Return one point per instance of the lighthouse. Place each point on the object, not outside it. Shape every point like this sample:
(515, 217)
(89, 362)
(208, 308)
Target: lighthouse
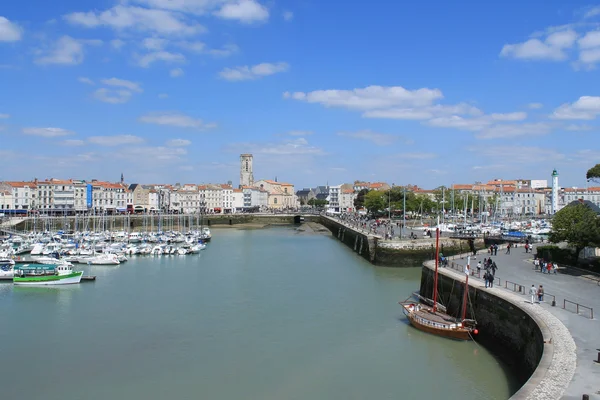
(554, 192)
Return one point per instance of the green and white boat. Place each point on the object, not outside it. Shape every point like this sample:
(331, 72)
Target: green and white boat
(45, 274)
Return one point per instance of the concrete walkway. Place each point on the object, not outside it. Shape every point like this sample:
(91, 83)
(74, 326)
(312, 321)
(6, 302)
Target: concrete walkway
(518, 267)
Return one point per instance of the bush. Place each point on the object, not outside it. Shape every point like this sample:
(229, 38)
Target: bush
(557, 254)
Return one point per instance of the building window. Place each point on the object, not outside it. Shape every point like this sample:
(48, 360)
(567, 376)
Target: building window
(275, 200)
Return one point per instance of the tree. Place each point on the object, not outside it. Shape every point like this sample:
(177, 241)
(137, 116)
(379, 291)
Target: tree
(359, 201)
(375, 201)
(593, 173)
(578, 225)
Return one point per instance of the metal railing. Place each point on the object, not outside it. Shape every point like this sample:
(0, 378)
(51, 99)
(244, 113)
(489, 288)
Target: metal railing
(516, 287)
(578, 306)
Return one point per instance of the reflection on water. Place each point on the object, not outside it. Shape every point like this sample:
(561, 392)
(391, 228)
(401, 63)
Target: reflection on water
(260, 314)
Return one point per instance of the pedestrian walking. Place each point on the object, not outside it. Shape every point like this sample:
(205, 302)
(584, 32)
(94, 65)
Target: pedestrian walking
(549, 267)
(486, 278)
(496, 249)
(494, 267)
(478, 268)
(540, 293)
(508, 248)
(533, 293)
(555, 267)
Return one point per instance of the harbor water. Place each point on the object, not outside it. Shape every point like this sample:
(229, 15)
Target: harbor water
(269, 314)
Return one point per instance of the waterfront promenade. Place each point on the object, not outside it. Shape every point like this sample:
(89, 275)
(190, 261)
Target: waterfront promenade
(516, 270)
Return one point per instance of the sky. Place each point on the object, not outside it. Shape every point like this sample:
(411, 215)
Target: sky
(319, 91)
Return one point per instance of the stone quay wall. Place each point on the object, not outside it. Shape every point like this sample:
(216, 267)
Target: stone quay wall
(536, 346)
(394, 253)
(143, 222)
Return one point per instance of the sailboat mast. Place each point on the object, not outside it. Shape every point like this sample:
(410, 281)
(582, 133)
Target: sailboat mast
(464, 305)
(437, 259)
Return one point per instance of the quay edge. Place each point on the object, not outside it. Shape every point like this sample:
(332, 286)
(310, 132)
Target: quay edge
(536, 346)
(404, 253)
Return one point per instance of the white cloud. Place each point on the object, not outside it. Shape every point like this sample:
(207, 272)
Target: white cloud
(288, 15)
(163, 96)
(65, 51)
(300, 133)
(535, 106)
(369, 98)
(112, 96)
(562, 39)
(140, 19)
(175, 119)
(252, 72)
(421, 113)
(4, 116)
(9, 31)
(193, 46)
(457, 122)
(578, 127)
(47, 132)
(85, 80)
(178, 143)
(147, 59)
(154, 44)
(534, 49)
(73, 142)
(117, 44)
(133, 86)
(514, 116)
(506, 131)
(176, 73)
(518, 154)
(225, 51)
(380, 139)
(592, 12)
(293, 147)
(115, 140)
(591, 39)
(246, 11)
(585, 108)
(416, 156)
(590, 56)
(151, 154)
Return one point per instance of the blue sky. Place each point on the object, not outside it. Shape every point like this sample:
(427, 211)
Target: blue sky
(429, 93)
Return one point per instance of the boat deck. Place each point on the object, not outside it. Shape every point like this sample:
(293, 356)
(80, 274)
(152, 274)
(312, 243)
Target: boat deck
(440, 318)
(84, 278)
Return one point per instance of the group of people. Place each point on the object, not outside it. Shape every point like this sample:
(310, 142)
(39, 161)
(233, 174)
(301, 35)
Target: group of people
(545, 266)
(536, 293)
(490, 268)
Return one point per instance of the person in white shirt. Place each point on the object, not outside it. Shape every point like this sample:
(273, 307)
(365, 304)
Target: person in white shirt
(533, 293)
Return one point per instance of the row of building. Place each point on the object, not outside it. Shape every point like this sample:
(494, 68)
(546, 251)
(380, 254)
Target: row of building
(80, 196)
(504, 197)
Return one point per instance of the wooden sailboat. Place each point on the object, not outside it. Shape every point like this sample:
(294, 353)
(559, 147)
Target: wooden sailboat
(430, 316)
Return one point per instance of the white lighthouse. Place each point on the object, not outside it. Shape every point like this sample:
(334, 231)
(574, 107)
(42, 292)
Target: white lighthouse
(554, 192)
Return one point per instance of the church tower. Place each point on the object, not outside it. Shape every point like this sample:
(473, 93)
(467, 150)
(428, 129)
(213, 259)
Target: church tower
(246, 175)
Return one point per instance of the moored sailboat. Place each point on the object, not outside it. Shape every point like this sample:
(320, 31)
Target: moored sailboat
(430, 316)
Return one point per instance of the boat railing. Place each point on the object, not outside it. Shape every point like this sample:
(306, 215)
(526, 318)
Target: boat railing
(578, 306)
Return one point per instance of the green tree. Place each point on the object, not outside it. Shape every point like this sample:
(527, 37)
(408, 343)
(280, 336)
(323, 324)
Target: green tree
(593, 173)
(375, 201)
(359, 201)
(578, 225)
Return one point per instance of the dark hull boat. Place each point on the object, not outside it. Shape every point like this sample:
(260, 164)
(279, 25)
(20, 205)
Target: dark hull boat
(432, 317)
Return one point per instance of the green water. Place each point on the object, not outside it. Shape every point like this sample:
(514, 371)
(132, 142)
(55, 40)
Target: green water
(260, 314)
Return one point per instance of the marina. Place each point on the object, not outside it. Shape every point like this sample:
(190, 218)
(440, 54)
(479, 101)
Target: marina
(227, 324)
